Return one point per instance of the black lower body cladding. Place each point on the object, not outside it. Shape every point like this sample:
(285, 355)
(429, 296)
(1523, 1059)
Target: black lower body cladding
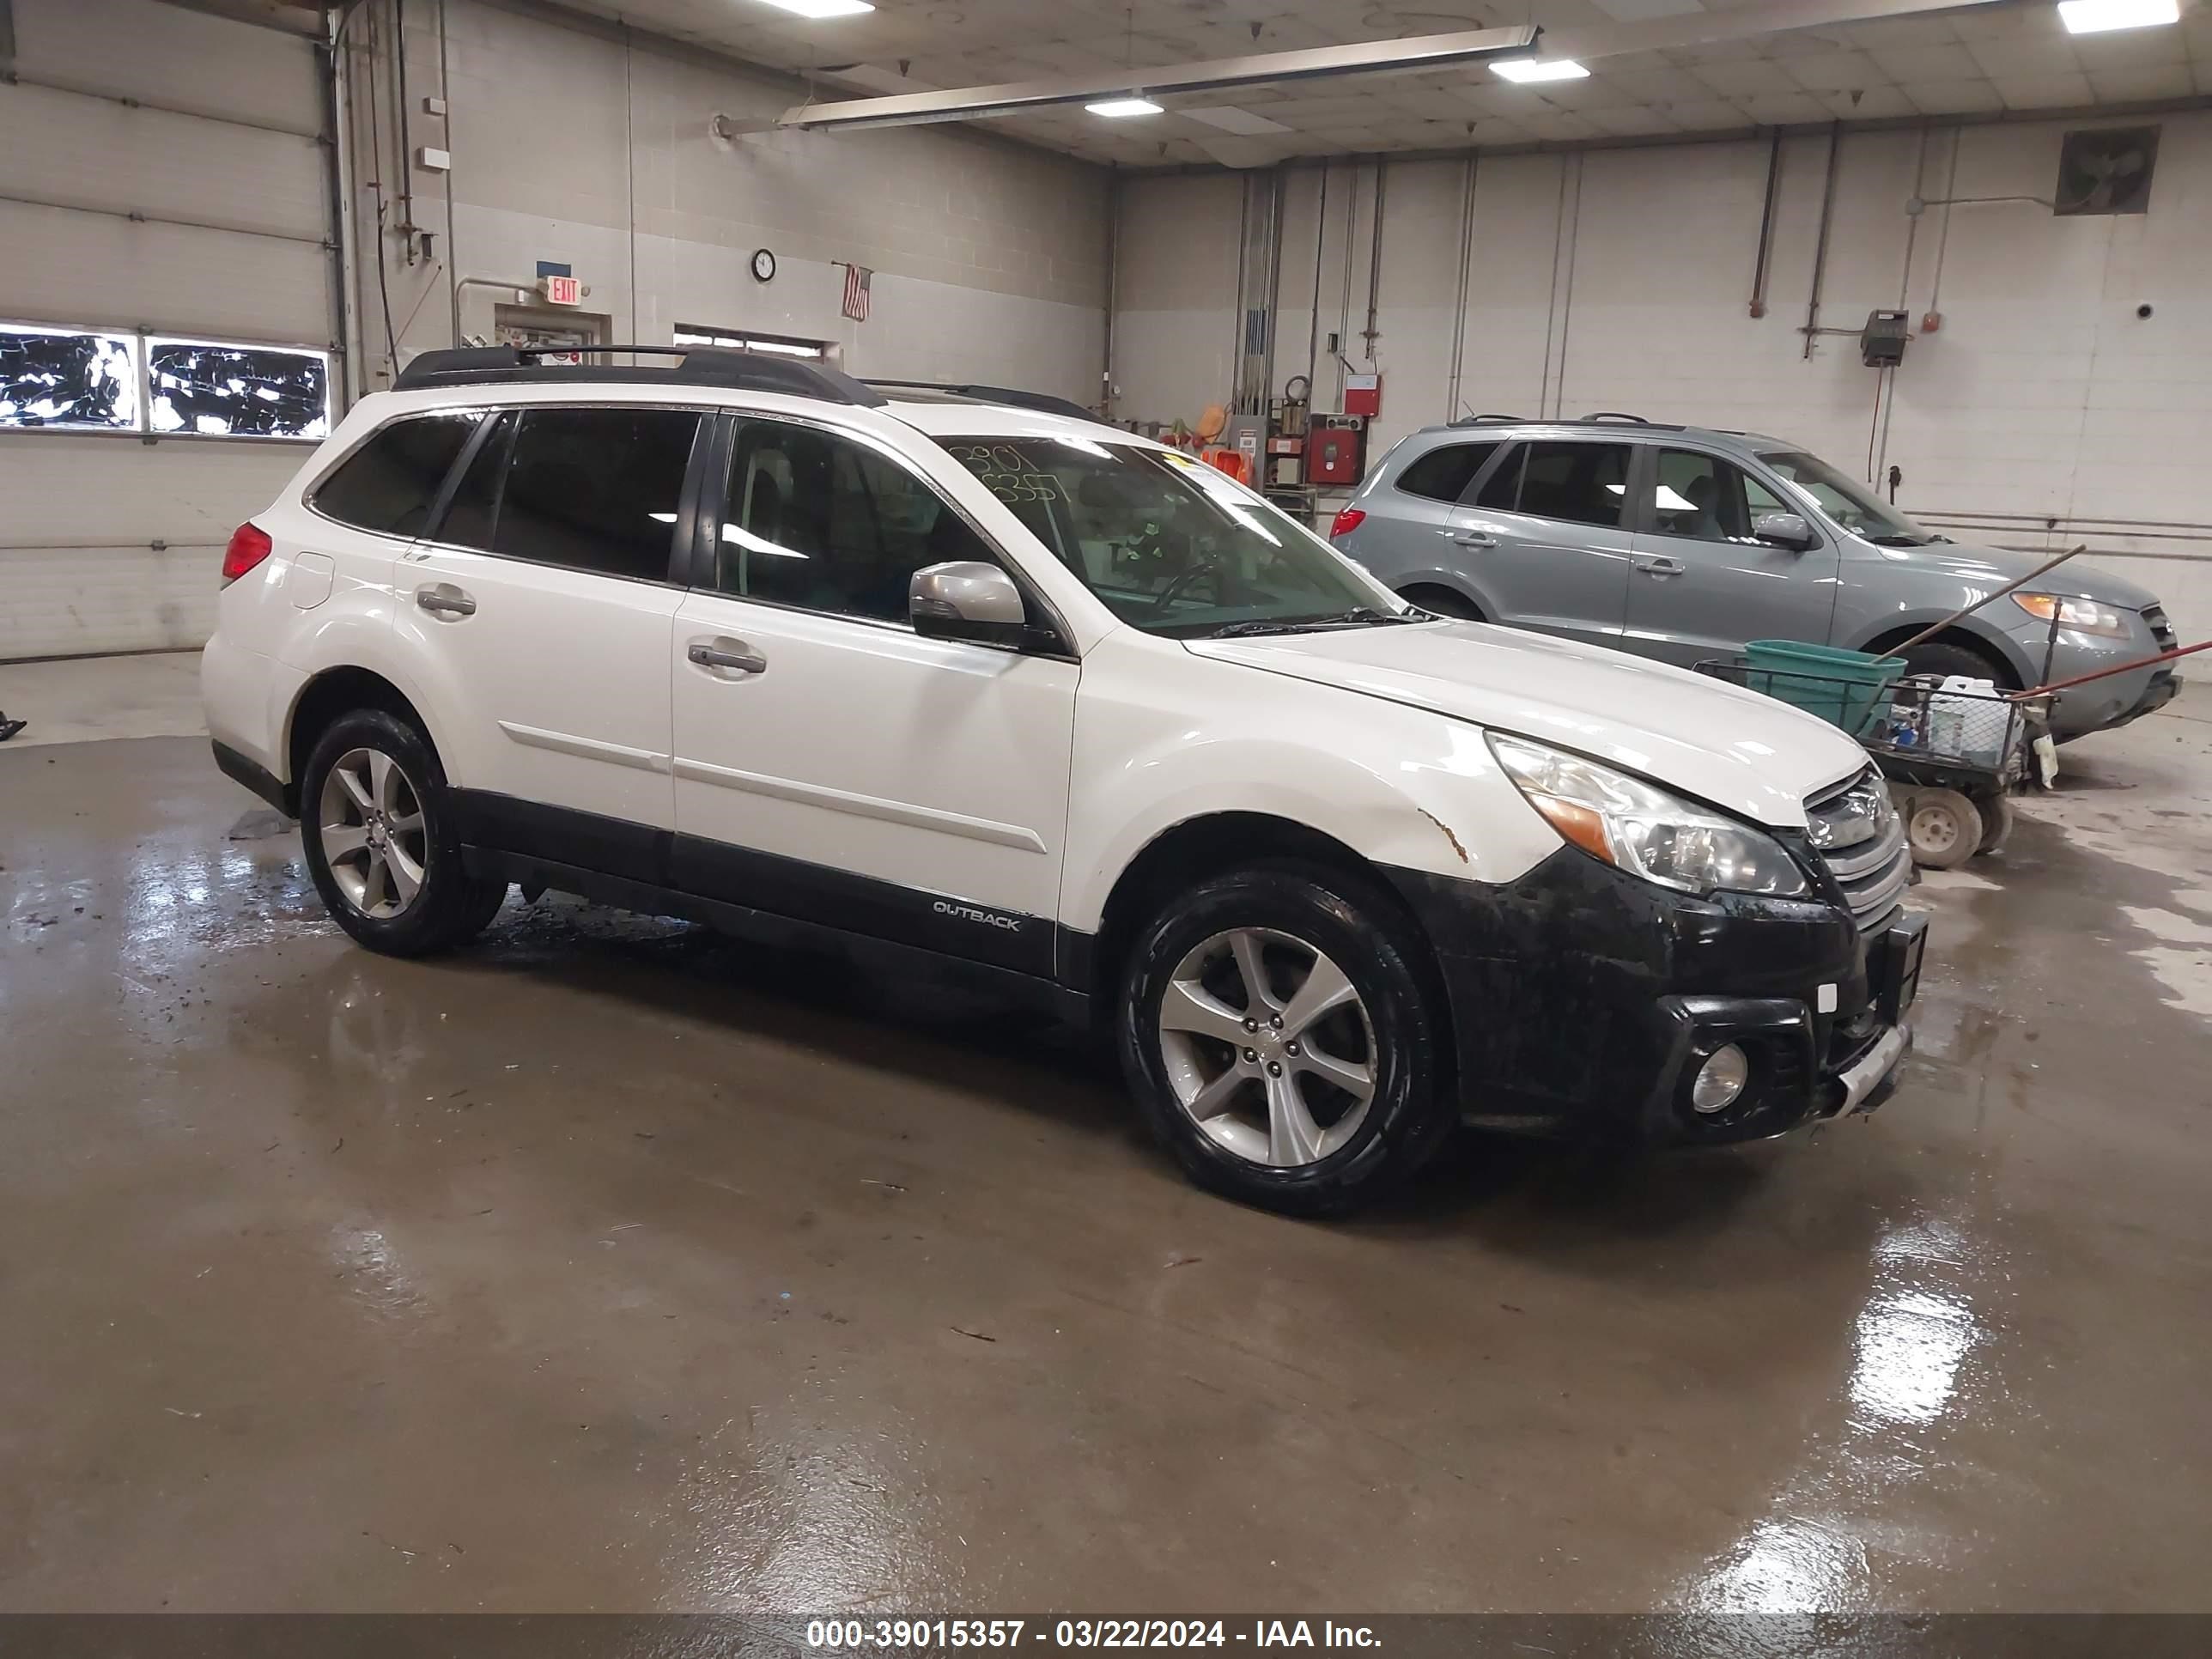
(1581, 996)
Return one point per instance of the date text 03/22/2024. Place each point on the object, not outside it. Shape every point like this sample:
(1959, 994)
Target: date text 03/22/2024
(879, 1634)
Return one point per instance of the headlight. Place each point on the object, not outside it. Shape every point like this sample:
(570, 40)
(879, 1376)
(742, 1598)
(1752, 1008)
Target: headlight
(1645, 830)
(2082, 616)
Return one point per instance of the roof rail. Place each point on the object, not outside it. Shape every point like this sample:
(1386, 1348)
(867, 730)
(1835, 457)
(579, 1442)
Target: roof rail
(1613, 415)
(718, 366)
(1488, 420)
(1043, 402)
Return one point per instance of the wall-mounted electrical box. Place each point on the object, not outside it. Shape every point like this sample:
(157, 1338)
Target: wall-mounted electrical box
(1881, 341)
(1336, 449)
(1363, 395)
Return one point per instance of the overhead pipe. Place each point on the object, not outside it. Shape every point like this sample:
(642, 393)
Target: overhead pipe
(1812, 328)
(1452, 403)
(1374, 257)
(1761, 264)
(522, 291)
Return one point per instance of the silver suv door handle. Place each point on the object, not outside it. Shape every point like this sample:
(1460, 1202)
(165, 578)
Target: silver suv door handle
(1661, 567)
(445, 601)
(1473, 538)
(727, 653)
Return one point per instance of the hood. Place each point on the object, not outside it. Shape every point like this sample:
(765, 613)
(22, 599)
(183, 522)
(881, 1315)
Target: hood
(1992, 567)
(1742, 752)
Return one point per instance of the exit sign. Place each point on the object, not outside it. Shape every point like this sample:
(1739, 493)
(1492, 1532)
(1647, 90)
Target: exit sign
(562, 290)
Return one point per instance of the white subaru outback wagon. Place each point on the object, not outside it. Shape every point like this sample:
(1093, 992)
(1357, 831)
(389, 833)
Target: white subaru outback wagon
(963, 675)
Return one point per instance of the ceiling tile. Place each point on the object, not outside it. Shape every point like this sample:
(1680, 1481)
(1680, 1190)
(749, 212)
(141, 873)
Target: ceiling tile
(1492, 130)
(1902, 33)
(1633, 122)
(1928, 64)
(1953, 97)
(1743, 80)
(1659, 85)
(1835, 71)
(2137, 86)
(1711, 115)
(1781, 108)
(1999, 58)
(2045, 91)
(1882, 103)
(1559, 126)
(2136, 48)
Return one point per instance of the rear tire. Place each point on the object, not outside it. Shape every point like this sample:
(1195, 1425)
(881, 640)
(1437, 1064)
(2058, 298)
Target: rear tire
(1997, 824)
(1322, 1092)
(377, 823)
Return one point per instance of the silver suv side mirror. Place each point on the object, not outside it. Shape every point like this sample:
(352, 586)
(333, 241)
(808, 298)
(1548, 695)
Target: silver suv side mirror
(967, 600)
(1787, 530)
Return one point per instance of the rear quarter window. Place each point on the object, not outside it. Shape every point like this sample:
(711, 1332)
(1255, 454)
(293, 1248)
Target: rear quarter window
(1445, 473)
(391, 483)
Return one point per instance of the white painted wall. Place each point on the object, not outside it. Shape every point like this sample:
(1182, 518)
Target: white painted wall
(574, 143)
(1619, 279)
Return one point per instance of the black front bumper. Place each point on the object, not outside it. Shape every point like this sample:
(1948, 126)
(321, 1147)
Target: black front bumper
(1584, 1001)
(2161, 691)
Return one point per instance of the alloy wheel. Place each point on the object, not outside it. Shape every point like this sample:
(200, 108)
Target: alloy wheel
(373, 839)
(1269, 1047)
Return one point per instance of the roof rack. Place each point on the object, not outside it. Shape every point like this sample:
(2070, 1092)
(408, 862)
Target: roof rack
(1487, 420)
(1043, 402)
(718, 366)
(1613, 415)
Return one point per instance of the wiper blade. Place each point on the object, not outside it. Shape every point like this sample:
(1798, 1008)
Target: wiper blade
(1357, 617)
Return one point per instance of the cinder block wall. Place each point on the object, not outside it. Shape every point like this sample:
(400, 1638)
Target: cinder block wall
(576, 142)
(1620, 280)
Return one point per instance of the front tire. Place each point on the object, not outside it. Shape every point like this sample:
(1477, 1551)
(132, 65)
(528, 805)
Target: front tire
(377, 824)
(1277, 1028)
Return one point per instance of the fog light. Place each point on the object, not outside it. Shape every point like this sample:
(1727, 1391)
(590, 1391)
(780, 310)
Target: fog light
(1720, 1081)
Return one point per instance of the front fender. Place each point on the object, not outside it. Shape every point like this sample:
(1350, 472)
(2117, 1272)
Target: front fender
(1164, 737)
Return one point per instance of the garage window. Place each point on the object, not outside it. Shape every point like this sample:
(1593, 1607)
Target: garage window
(68, 379)
(214, 390)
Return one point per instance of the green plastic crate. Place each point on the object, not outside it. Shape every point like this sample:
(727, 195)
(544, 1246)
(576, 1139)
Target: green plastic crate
(1842, 687)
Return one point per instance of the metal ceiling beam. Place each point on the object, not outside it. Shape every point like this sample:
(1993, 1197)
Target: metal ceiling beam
(1424, 51)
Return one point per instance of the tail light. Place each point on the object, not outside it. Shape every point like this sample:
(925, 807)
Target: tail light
(1347, 521)
(249, 545)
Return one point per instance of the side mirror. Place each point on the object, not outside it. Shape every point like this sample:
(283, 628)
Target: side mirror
(968, 600)
(1787, 530)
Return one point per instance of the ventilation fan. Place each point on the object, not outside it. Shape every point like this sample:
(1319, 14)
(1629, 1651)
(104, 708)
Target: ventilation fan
(2106, 170)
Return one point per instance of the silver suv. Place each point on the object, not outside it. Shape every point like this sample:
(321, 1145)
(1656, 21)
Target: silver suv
(1681, 543)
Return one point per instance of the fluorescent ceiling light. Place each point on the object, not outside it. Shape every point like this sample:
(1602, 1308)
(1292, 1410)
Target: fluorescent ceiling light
(824, 8)
(2094, 17)
(1114, 109)
(1539, 68)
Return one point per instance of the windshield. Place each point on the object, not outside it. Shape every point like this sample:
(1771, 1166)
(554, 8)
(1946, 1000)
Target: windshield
(1170, 544)
(1849, 504)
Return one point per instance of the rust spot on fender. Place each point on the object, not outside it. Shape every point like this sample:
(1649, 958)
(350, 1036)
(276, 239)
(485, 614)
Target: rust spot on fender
(1448, 836)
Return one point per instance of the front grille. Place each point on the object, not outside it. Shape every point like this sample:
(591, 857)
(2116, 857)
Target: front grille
(2160, 628)
(1862, 839)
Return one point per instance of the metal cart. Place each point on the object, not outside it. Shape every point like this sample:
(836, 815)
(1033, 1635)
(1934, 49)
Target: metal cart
(1954, 758)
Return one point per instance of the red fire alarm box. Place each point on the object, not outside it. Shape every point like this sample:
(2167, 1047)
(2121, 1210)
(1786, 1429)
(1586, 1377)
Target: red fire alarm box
(1363, 395)
(1336, 450)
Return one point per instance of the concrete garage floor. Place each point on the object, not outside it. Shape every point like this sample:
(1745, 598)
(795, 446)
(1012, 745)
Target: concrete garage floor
(609, 1267)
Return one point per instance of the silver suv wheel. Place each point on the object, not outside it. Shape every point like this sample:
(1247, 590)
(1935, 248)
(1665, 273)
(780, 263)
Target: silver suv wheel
(370, 822)
(1268, 1047)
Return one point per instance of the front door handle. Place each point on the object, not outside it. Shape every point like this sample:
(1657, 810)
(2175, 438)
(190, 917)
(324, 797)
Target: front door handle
(1473, 538)
(727, 653)
(1661, 567)
(445, 600)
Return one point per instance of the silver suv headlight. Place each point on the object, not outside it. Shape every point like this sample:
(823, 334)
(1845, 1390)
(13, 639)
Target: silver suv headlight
(1641, 828)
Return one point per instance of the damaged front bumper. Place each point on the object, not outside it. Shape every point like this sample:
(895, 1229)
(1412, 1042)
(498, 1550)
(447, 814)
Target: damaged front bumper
(1584, 1002)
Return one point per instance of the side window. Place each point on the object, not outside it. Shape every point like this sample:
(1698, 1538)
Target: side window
(1444, 474)
(391, 483)
(1502, 489)
(824, 523)
(595, 489)
(1703, 497)
(475, 507)
(1576, 482)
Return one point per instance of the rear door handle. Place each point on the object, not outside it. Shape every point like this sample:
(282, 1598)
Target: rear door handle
(1473, 538)
(1660, 566)
(727, 653)
(445, 600)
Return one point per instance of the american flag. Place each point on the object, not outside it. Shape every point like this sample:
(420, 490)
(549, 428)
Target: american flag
(856, 292)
